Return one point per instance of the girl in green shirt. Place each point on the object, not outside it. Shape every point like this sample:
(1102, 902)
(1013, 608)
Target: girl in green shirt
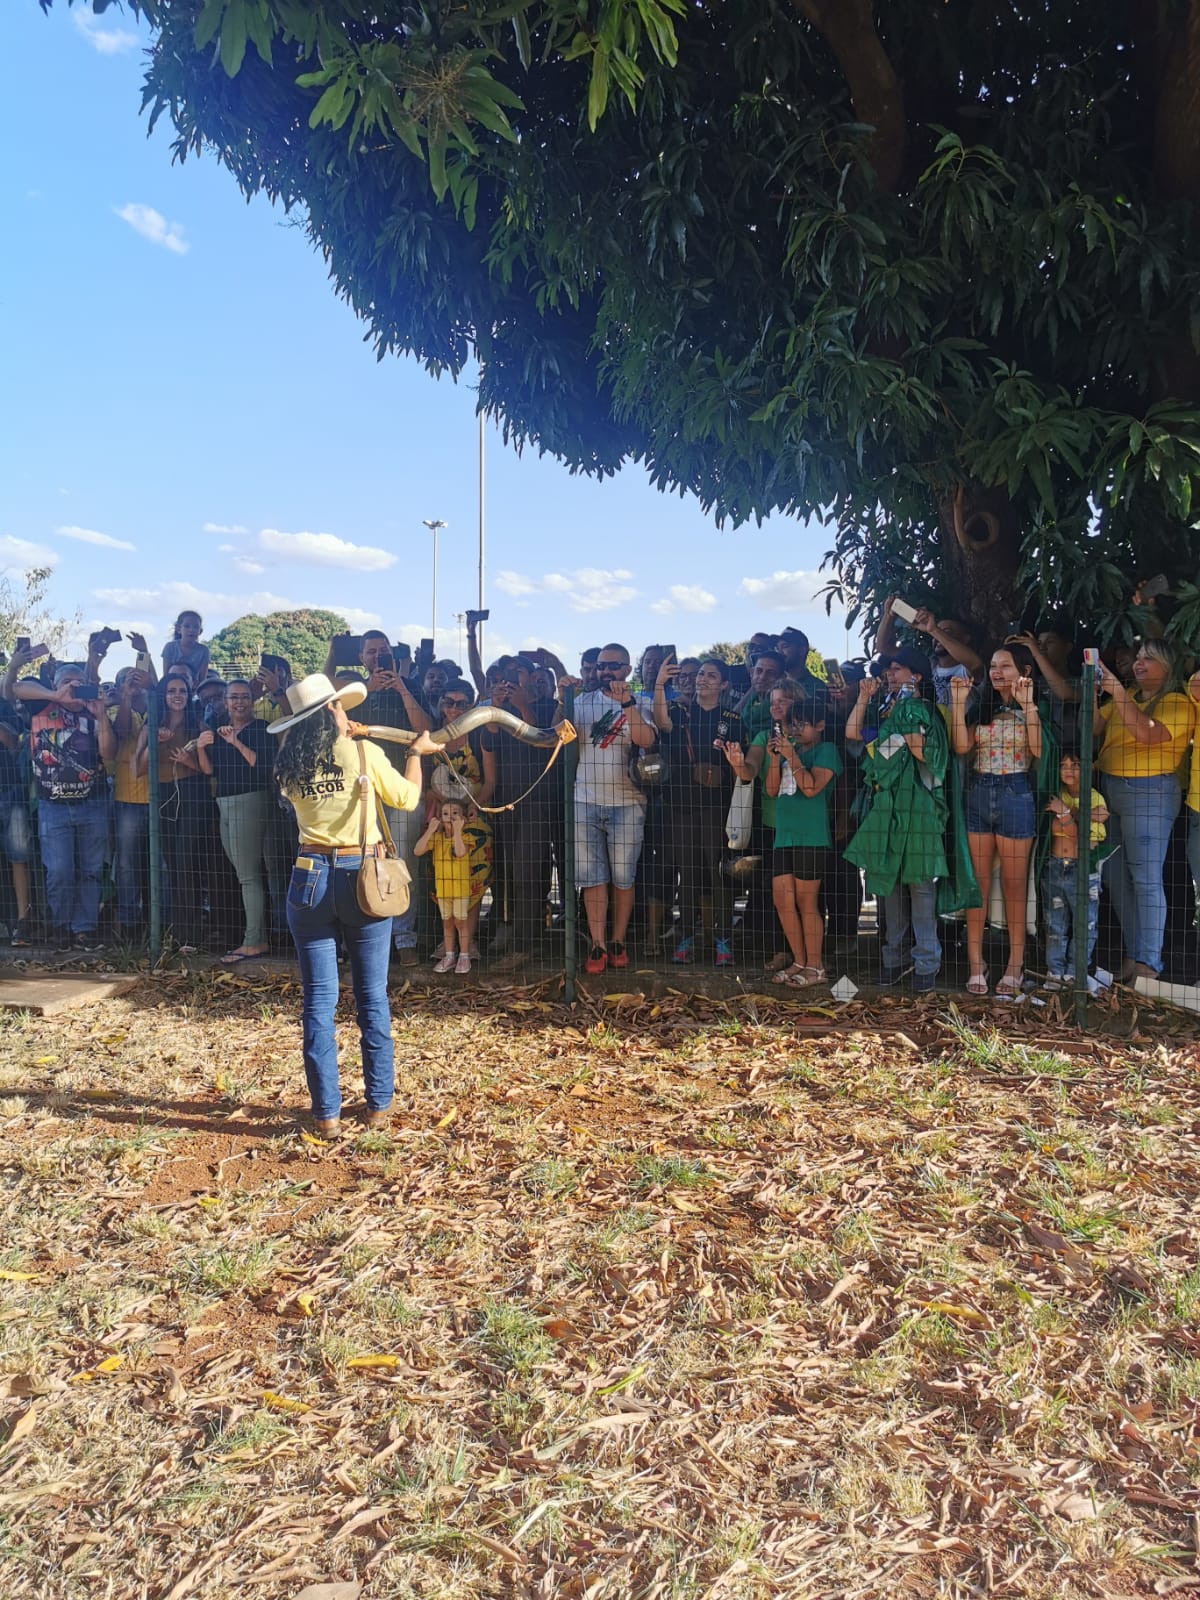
(801, 764)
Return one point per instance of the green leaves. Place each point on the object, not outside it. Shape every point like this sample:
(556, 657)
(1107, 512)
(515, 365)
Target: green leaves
(661, 232)
(234, 23)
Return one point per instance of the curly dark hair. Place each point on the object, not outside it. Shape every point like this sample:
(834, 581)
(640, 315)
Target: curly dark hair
(306, 750)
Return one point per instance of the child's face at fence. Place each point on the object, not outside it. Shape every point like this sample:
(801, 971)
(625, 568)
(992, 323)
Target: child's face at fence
(1069, 772)
(452, 815)
(781, 706)
(898, 675)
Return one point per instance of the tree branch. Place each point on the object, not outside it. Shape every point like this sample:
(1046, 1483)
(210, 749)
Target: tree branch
(848, 28)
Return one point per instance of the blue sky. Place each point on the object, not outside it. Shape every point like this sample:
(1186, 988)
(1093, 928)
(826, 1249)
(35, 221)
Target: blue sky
(195, 420)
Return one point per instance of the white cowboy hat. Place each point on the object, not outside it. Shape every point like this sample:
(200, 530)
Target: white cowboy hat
(313, 692)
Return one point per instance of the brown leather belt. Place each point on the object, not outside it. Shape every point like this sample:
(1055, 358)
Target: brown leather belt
(307, 849)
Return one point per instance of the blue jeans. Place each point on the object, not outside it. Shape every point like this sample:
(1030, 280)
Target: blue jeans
(133, 862)
(1060, 879)
(74, 838)
(322, 902)
(1141, 814)
(912, 905)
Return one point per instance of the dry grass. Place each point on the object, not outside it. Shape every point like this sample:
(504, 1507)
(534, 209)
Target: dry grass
(673, 1300)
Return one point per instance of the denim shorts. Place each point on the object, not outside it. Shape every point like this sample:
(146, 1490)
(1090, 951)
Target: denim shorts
(1002, 804)
(16, 832)
(608, 843)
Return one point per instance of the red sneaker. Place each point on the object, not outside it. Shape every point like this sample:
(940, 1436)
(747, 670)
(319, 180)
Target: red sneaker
(597, 960)
(618, 956)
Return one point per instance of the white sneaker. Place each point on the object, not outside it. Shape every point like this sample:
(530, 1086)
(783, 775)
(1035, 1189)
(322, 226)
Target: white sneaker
(462, 966)
(446, 964)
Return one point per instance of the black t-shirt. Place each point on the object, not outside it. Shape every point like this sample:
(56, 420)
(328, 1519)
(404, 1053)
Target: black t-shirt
(233, 772)
(519, 765)
(386, 708)
(689, 747)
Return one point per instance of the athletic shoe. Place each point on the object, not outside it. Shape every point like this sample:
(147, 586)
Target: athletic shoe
(447, 963)
(1054, 982)
(20, 932)
(60, 938)
(618, 956)
(92, 943)
(597, 960)
(724, 955)
(924, 982)
(463, 965)
(683, 953)
(891, 976)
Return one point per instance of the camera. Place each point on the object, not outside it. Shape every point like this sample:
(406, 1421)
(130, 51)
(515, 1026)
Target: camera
(474, 618)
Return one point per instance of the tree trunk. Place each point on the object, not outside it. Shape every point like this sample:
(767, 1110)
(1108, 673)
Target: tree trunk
(981, 546)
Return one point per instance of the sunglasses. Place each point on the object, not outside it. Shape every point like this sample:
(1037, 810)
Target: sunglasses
(455, 705)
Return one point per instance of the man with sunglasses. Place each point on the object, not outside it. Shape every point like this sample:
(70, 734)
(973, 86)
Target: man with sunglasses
(610, 810)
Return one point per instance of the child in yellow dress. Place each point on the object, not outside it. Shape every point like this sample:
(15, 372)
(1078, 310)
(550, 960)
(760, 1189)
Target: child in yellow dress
(444, 841)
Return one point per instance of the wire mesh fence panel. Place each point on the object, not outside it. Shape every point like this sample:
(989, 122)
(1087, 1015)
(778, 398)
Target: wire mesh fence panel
(1011, 833)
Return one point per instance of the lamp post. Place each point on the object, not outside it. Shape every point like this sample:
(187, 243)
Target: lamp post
(435, 525)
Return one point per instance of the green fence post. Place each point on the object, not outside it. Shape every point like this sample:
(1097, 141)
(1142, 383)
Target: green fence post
(154, 826)
(570, 906)
(1083, 837)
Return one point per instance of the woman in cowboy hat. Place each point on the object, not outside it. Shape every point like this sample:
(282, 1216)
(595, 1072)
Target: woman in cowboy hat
(318, 770)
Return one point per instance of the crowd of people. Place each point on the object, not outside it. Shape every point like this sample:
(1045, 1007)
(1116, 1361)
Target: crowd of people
(730, 812)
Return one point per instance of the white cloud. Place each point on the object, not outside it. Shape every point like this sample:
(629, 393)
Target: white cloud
(685, 597)
(585, 590)
(325, 550)
(90, 536)
(515, 585)
(154, 226)
(246, 565)
(786, 591)
(223, 527)
(108, 41)
(18, 555)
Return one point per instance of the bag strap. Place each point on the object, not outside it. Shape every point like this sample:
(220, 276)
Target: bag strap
(380, 813)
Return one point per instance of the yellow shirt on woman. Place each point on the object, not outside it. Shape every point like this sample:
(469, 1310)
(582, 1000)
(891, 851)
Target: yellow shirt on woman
(1121, 756)
(327, 808)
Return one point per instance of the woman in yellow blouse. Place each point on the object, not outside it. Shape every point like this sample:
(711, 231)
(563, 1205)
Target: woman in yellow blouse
(318, 770)
(1146, 737)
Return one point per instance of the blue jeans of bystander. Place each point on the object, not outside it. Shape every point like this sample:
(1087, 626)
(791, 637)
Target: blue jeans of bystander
(1060, 880)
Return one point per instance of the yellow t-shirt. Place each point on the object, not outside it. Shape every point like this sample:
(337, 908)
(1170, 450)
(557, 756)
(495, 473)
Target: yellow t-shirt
(1121, 756)
(1097, 830)
(327, 809)
(128, 788)
(451, 873)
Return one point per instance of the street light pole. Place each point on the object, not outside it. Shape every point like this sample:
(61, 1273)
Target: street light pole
(434, 525)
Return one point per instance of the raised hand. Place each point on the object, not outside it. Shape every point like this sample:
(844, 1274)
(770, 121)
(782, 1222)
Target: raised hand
(960, 688)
